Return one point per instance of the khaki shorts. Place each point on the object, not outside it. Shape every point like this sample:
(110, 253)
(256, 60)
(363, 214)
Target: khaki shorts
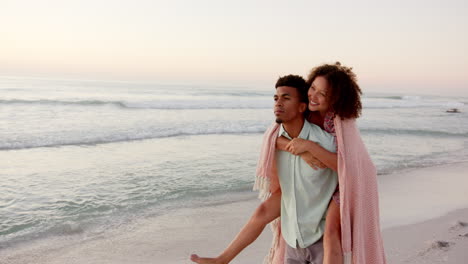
(312, 254)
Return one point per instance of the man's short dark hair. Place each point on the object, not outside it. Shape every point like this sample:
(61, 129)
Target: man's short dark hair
(297, 82)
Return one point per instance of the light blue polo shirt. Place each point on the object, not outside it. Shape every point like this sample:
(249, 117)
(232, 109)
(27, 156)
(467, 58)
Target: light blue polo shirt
(306, 192)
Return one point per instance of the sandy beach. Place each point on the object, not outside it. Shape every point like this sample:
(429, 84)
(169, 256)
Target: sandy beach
(439, 240)
(424, 216)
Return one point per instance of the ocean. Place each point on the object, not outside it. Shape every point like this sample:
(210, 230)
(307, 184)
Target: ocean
(80, 158)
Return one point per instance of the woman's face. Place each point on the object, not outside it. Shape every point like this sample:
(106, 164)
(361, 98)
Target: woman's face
(318, 98)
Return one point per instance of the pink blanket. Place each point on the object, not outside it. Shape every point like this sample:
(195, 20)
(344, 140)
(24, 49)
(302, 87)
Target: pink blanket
(359, 203)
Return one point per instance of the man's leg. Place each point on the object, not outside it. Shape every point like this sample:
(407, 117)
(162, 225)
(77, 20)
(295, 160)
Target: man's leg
(294, 255)
(314, 253)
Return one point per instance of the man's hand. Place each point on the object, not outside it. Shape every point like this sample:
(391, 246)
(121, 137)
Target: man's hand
(312, 161)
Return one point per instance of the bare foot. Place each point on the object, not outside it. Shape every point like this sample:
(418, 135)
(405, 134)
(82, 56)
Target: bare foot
(197, 259)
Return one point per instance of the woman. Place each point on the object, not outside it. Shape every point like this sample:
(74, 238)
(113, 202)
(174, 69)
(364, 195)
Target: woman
(334, 102)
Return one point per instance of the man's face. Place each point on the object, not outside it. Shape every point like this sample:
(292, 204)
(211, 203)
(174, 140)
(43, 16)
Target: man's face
(288, 105)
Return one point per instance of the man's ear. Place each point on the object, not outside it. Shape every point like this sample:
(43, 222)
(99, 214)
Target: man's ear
(302, 107)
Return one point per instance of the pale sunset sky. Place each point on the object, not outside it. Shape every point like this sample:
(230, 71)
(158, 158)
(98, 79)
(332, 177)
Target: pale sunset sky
(417, 47)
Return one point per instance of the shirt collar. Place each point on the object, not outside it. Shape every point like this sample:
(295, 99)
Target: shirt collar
(303, 134)
(283, 132)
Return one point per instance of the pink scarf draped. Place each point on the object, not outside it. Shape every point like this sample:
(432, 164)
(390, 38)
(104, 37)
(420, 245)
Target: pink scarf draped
(359, 204)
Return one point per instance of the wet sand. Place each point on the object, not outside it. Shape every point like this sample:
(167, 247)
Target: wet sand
(424, 216)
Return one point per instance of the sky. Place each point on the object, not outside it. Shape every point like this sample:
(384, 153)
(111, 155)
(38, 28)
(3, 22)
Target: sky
(417, 47)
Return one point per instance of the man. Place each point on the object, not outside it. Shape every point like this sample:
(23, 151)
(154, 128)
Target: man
(305, 192)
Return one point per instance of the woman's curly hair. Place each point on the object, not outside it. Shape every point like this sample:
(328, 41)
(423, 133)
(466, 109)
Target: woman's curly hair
(344, 98)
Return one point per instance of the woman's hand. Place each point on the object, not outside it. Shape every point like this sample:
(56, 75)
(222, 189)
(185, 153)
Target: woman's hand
(312, 161)
(298, 146)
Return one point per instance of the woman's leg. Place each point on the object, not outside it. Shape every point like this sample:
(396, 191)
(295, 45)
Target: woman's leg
(332, 237)
(266, 212)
